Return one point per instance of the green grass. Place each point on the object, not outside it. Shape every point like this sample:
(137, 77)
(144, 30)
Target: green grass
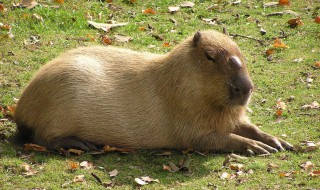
(67, 28)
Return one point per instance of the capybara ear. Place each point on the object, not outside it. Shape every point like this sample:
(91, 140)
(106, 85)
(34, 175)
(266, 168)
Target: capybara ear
(196, 38)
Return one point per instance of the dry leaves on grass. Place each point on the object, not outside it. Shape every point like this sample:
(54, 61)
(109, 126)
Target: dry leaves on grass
(34, 147)
(317, 19)
(2, 8)
(29, 4)
(313, 105)
(173, 9)
(105, 26)
(73, 165)
(284, 2)
(27, 170)
(145, 180)
(122, 39)
(113, 173)
(306, 146)
(187, 4)
(183, 165)
(86, 165)
(149, 11)
(294, 22)
(107, 148)
(279, 44)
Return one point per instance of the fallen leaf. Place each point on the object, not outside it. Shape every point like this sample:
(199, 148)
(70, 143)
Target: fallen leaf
(278, 44)
(37, 17)
(5, 26)
(149, 11)
(166, 44)
(284, 2)
(34, 147)
(2, 8)
(75, 151)
(78, 178)
(272, 165)
(185, 163)
(173, 9)
(141, 28)
(294, 22)
(59, 1)
(313, 105)
(86, 165)
(113, 173)
(317, 19)
(121, 38)
(104, 26)
(269, 4)
(269, 52)
(164, 154)
(317, 64)
(73, 165)
(307, 165)
(140, 181)
(106, 40)
(187, 4)
(107, 148)
(314, 173)
(149, 179)
(27, 170)
(210, 21)
(29, 4)
(235, 166)
(225, 175)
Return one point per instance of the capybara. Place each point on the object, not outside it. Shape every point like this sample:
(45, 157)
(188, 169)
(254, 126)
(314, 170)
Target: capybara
(194, 97)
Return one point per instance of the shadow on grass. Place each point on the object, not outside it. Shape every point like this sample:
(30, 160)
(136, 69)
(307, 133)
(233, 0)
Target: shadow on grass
(130, 166)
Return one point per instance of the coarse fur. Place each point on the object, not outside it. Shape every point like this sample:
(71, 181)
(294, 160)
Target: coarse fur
(192, 97)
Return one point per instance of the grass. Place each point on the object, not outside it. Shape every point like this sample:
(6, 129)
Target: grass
(66, 28)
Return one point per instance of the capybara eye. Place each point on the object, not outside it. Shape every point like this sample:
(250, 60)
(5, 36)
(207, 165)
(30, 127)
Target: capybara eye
(209, 57)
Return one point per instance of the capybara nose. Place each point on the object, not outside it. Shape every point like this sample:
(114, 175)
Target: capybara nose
(240, 90)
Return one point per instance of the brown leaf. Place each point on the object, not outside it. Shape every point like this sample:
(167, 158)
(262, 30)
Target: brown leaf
(104, 26)
(106, 40)
(317, 19)
(294, 22)
(314, 173)
(75, 151)
(121, 38)
(29, 4)
(307, 165)
(284, 2)
(34, 147)
(113, 173)
(269, 52)
(235, 166)
(166, 44)
(73, 165)
(317, 64)
(187, 4)
(278, 44)
(107, 148)
(2, 8)
(59, 1)
(78, 178)
(149, 11)
(188, 151)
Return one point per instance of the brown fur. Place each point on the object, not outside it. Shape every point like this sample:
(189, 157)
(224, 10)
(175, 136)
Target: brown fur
(122, 98)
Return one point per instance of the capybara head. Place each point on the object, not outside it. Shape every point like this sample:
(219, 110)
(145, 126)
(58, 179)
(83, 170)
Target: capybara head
(220, 69)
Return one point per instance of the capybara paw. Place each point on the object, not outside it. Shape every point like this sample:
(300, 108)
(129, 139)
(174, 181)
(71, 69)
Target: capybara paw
(277, 143)
(255, 147)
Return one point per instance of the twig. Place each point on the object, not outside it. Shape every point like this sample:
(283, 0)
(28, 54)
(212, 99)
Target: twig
(96, 177)
(261, 42)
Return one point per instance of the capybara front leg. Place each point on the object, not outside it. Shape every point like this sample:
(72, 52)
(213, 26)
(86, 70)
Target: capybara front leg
(252, 132)
(228, 142)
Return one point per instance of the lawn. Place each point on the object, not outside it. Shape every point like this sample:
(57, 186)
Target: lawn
(288, 78)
